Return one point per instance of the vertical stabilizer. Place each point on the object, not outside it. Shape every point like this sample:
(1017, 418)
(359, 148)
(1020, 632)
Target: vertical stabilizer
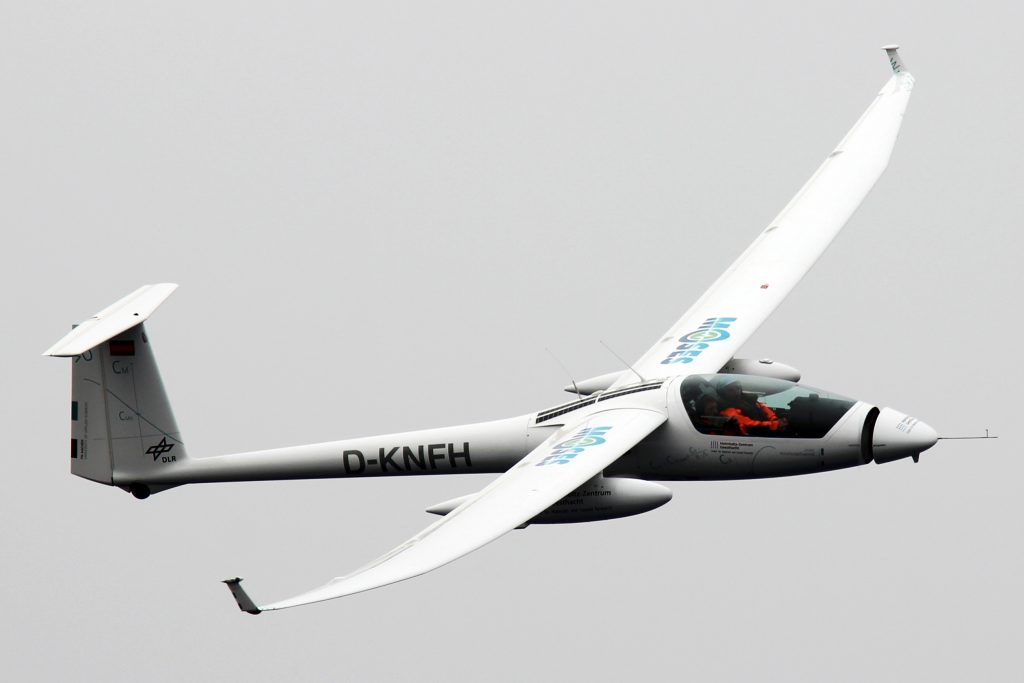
(122, 425)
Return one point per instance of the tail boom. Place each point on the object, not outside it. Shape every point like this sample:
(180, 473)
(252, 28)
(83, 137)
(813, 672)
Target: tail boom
(485, 447)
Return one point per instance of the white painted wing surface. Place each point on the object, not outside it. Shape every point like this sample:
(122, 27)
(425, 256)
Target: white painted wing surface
(726, 315)
(565, 461)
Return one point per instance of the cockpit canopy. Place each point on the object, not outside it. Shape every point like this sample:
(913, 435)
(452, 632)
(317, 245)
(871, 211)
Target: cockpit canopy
(746, 405)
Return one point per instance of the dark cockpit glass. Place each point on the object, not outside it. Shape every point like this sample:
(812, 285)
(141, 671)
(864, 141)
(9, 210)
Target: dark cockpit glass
(746, 405)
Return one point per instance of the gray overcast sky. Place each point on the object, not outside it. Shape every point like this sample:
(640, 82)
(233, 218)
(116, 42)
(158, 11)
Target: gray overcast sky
(380, 214)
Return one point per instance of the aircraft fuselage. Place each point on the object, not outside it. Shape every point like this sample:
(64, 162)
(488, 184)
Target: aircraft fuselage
(675, 451)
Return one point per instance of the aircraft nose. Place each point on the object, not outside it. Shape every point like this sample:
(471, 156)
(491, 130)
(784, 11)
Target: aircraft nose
(898, 435)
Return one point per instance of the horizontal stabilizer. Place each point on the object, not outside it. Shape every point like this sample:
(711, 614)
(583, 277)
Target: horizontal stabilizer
(112, 320)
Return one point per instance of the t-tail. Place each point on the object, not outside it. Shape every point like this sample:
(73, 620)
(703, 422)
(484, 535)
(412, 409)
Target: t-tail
(122, 426)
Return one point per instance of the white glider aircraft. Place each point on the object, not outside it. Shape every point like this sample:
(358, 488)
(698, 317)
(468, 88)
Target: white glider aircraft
(686, 410)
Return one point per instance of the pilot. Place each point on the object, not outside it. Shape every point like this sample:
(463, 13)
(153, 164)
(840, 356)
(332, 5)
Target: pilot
(694, 392)
(750, 415)
(711, 419)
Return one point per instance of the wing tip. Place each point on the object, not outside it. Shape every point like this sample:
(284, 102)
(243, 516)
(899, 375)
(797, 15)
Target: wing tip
(245, 603)
(892, 50)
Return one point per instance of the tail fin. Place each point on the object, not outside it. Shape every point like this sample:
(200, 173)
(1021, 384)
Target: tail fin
(122, 428)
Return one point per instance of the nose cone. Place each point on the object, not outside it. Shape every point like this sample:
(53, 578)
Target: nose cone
(898, 435)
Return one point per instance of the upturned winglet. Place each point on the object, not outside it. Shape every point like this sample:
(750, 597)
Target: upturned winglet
(894, 58)
(245, 603)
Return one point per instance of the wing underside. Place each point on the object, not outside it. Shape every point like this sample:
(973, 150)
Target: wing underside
(566, 460)
(710, 333)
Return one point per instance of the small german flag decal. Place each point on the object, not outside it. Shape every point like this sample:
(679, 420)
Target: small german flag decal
(122, 347)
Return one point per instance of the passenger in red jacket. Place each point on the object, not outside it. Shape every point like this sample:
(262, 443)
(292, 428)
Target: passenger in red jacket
(748, 413)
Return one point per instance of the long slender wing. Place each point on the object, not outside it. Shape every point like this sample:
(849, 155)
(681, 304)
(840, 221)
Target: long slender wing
(561, 464)
(725, 316)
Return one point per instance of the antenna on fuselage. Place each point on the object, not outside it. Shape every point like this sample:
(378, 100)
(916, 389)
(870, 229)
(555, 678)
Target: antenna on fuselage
(621, 360)
(571, 378)
(916, 456)
(961, 438)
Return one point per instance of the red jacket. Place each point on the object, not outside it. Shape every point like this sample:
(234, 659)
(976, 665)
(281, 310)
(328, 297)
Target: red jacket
(745, 423)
